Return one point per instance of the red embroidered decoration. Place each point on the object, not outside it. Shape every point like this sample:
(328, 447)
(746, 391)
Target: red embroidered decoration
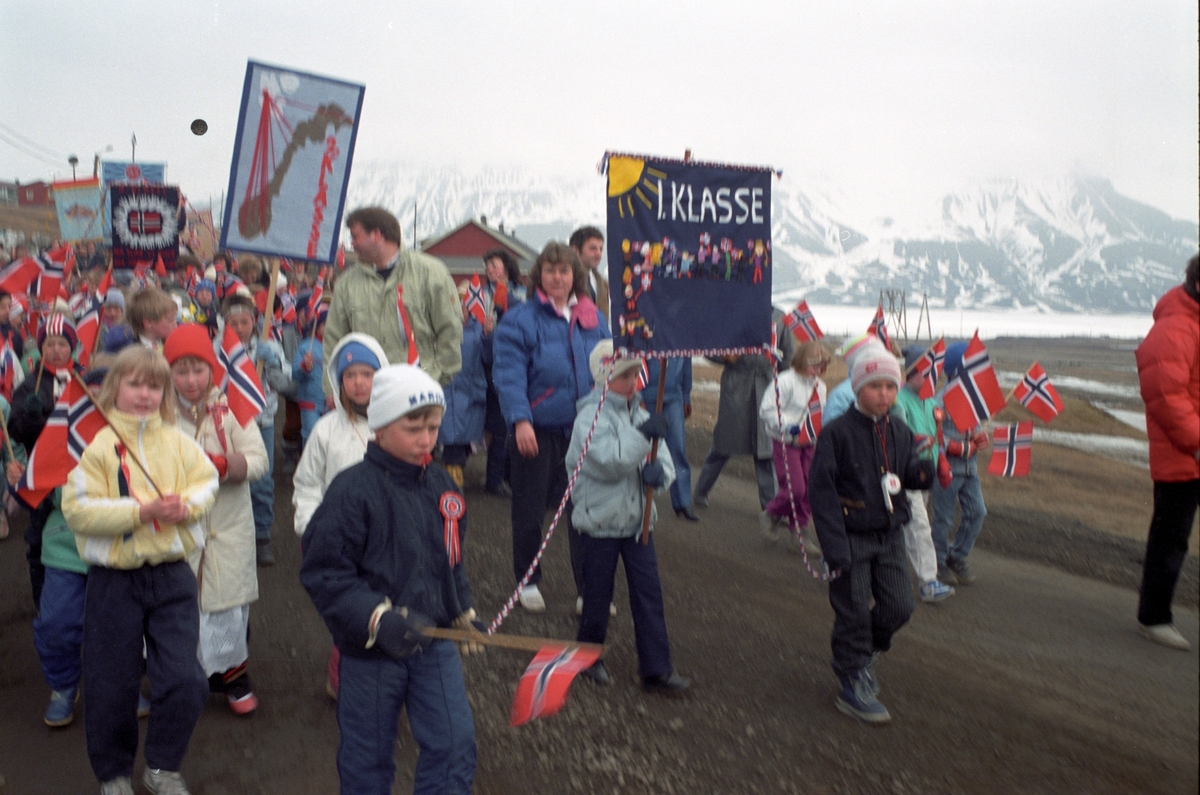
(320, 201)
(452, 507)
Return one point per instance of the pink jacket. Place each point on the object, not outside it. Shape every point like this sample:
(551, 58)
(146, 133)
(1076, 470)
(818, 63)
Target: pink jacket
(1168, 362)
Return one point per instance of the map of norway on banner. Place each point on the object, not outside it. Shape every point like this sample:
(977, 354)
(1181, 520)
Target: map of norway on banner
(291, 163)
(689, 254)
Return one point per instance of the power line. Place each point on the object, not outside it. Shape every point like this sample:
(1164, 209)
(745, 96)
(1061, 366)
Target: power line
(28, 152)
(30, 142)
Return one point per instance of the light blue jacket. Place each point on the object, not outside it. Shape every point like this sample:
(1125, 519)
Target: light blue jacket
(609, 497)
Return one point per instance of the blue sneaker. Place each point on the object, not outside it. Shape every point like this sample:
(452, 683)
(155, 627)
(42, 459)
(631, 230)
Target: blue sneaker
(857, 700)
(61, 710)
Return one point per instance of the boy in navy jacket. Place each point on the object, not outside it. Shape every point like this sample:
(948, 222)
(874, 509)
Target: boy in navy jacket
(864, 461)
(382, 561)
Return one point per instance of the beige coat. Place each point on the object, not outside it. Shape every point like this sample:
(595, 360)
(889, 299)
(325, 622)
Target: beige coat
(227, 569)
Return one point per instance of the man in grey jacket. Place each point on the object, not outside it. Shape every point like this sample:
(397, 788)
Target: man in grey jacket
(366, 299)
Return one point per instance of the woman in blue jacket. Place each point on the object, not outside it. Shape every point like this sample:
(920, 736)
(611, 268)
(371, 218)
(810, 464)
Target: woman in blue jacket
(540, 370)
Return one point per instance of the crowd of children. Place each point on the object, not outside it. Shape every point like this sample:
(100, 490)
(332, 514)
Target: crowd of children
(145, 562)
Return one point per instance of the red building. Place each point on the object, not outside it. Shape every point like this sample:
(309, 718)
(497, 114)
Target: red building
(35, 194)
(462, 248)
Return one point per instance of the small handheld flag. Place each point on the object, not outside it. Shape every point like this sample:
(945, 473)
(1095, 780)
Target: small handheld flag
(930, 367)
(1012, 446)
(542, 691)
(811, 427)
(473, 300)
(974, 394)
(878, 328)
(802, 324)
(240, 382)
(1037, 394)
(71, 427)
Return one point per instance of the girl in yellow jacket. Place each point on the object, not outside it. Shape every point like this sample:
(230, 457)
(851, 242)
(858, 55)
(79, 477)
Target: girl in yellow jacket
(137, 541)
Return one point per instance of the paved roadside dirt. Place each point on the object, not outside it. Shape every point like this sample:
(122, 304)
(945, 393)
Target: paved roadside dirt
(1032, 680)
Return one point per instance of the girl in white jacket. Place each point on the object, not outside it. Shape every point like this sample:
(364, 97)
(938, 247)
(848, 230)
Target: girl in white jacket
(339, 439)
(791, 441)
(226, 569)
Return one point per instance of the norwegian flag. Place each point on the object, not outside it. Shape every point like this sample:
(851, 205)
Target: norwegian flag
(72, 426)
(811, 427)
(801, 323)
(314, 300)
(105, 285)
(240, 383)
(286, 265)
(190, 281)
(406, 331)
(11, 372)
(1037, 394)
(974, 394)
(930, 366)
(160, 267)
(341, 258)
(56, 266)
(500, 297)
(1012, 446)
(543, 688)
(643, 376)
(86, 328)
(16, 277)
(878, 327)
(473, 299)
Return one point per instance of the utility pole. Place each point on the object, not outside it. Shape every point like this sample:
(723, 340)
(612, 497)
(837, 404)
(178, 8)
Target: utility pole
(133, 150)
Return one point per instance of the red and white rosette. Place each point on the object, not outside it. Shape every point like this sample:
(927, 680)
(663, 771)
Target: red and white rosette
(453, 508)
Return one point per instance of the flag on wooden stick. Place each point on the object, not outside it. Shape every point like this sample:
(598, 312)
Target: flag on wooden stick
(543, 688)
(1012, 446)
(1037, 394)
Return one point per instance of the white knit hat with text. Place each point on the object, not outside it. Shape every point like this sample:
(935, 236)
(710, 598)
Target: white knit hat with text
(400, 389)
(872, 364)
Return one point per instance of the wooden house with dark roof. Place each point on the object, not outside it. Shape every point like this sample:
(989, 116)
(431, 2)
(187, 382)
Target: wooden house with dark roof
(463, 247)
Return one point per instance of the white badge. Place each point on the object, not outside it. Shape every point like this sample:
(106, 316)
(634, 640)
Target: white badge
(891, 486)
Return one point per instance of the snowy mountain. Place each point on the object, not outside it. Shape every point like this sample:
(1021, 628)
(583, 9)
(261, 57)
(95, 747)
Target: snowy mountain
(1070, 244)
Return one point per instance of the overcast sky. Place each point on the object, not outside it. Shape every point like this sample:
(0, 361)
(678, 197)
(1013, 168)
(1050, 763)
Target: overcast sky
(893, 102)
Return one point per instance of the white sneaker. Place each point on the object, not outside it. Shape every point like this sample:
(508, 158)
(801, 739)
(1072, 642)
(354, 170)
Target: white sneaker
(531, 599)
(117, 786)
(164, 782)
(934, 591)
(612, 607)
(767, 525)
(1164, 635)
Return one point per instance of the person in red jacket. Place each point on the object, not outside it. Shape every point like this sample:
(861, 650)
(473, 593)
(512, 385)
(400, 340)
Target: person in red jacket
(1168, 362)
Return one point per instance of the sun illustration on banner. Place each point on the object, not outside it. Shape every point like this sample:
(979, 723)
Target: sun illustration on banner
(626, 178)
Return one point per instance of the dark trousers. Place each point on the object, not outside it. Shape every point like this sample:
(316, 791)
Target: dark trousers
(1170, 528)
(58, 628)
(33, 537)
(371, 697)
(538, 485)
(159, 604)
(455, 454)
(497, 449)
(878, 572)
(645, 598)
(714, 462)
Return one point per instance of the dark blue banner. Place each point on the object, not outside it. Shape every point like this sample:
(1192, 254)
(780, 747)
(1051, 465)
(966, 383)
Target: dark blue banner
(689, 254)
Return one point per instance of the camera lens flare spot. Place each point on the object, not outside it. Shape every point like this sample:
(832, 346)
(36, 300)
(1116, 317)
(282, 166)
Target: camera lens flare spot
(199, 127)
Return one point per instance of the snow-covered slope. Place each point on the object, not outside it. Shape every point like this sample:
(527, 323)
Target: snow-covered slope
(1070, 243)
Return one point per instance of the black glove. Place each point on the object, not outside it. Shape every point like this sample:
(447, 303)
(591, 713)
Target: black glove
(653, 474)
(655, 427)
(34, 404)
(399, 636)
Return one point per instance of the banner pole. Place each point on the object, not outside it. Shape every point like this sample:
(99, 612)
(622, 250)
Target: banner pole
(658, 404)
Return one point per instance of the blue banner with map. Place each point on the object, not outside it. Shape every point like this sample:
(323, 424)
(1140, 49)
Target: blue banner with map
(689, 254)
(291, 163)
(80, 209)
